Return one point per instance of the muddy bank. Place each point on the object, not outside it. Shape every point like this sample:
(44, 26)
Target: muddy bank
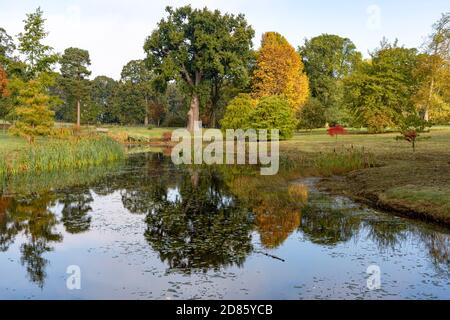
(357, 190)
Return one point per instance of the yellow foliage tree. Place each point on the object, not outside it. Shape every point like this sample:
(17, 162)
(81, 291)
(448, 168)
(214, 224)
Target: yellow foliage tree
(33, 114)
(279, 71)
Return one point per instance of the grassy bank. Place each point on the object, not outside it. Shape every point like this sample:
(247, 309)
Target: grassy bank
(130, 134)
(416, 184)
(16, 156)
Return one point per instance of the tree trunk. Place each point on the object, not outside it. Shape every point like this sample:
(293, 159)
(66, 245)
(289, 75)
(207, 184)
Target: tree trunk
(426, 115)
(213, 119)
(194, 112)
(78, 114)
(146, 112)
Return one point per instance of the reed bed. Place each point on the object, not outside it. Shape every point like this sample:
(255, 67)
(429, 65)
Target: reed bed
(340, 162)
(62, 154)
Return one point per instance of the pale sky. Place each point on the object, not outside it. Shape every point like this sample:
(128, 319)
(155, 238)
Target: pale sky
(114, 31)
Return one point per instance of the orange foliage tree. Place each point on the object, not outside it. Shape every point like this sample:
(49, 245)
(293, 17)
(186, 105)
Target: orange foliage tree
(279, 71)
(3, 83)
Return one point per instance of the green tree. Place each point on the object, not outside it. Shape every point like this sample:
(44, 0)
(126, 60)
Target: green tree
(328, 59)
(74, 72)
(38, 56)
(33, 114)
(274, 112)
(380, 93)
(7, 48)
(312, 115)
(238, 111)
(127, 104)
(102, 91)
(137, 76)
(195, 46)
(177, 106)
(433, 96)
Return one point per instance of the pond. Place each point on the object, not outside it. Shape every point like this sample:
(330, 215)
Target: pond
(147, 229)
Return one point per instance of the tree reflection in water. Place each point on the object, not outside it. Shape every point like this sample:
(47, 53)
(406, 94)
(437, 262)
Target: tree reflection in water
(31, 217)
(198, 218)
(75, 213)
(202, 227)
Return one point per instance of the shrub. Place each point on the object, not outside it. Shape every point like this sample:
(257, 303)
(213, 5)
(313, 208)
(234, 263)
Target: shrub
(167, 136)
(150, 127)
(237, 112)
(274, 112)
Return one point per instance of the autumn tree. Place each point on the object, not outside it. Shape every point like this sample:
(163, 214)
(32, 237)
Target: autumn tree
(279, 71)
(74, 72)
(195, 46)
(4, 92)
(433, 70)
(328, 59)
(38, 56)
(3, 83)
(34, 117)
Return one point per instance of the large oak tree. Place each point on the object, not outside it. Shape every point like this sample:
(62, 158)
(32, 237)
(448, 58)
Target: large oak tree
(197, 46)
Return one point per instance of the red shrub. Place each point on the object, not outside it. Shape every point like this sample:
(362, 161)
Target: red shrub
(336, 130)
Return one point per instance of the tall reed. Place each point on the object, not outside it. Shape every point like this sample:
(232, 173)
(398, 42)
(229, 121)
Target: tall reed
(343, 161)
(62, 154)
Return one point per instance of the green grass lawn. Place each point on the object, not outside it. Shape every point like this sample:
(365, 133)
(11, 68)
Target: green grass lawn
(152, 134)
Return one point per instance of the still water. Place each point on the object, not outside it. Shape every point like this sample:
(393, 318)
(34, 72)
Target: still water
(146, 229)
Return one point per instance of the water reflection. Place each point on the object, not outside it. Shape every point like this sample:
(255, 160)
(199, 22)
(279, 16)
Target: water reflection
(196, 218)
(31, 218)
(202, 226)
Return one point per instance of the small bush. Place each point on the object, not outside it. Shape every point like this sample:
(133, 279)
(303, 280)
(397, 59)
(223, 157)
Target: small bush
(150, 127)
(274, 112)
(237, 112)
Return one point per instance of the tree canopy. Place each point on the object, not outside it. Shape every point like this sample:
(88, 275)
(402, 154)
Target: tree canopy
(379, 93)
(279, 71)
(74, 72)
(328, 60)
(38, 56)
(195, 45)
